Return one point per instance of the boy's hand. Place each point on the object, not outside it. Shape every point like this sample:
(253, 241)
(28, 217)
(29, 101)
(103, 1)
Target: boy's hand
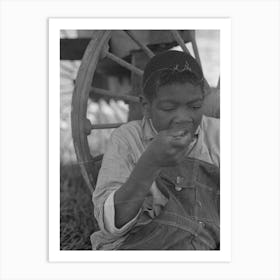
(168, 148)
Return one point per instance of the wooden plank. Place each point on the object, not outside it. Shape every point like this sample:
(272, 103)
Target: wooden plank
(73, 49)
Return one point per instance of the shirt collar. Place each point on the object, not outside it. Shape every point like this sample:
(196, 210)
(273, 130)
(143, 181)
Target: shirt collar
(148, 130)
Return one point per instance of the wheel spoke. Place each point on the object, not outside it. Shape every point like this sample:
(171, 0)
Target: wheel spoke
(124, 97)
(146, 50)
(195, 48)
(124, 63)
(88, 126)
(106, 125)
(179, 40)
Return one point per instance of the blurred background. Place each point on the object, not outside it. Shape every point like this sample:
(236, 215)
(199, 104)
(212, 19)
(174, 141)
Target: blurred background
(77, 221)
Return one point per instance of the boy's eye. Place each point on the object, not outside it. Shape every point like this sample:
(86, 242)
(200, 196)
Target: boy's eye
(196, 107)
(167, 108)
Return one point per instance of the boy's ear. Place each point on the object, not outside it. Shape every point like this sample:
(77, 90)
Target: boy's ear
(146, 106)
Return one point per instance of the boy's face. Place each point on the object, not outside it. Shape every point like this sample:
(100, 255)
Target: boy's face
(176, 106)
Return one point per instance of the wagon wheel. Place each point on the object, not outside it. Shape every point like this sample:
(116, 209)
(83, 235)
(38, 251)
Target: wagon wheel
(81, 127)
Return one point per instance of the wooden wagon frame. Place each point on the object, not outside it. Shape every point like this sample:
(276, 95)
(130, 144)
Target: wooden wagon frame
(98, 48)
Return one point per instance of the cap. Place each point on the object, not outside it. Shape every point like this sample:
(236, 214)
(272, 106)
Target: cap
(174, 61)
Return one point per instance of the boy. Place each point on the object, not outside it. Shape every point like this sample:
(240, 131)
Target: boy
(158, 187)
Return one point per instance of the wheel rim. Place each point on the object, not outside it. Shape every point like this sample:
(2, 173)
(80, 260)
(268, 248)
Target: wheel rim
(79, 105)
(81, 126)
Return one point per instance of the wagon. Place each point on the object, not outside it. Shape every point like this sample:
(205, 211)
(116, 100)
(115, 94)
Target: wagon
(119, 52)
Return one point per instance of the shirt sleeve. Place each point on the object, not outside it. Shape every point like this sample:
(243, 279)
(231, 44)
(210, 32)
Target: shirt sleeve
(117, 164)
(211, 139)
(207, 147)
(211, 104)
(109, 218)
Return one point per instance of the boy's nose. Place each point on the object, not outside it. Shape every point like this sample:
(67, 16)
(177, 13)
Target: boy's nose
(183, 117)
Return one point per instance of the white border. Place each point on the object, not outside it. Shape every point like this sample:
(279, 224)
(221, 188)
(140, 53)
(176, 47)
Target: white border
(55, 255)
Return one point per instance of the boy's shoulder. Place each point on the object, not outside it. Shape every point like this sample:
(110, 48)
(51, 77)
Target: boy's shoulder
(210, 124)
(210, 128)
(208, 148)
(130, 131)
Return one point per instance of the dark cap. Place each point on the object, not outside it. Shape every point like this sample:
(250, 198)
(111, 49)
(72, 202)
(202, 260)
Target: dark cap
(174, 61)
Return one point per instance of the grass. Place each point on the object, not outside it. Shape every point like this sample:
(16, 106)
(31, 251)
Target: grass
(77, 220)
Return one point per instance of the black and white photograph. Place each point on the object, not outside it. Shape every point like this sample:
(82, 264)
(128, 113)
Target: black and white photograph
(140, 140)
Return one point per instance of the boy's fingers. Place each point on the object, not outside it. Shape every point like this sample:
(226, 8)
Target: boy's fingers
(185, 152)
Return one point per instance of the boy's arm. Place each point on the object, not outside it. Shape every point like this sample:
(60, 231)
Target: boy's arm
(167, 149)
(129, 198)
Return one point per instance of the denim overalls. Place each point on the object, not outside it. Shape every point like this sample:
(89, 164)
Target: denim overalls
(191, 218)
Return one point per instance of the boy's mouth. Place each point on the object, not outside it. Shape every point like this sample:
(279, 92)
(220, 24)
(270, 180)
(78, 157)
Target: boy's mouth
(183, 129)
(182, 133)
